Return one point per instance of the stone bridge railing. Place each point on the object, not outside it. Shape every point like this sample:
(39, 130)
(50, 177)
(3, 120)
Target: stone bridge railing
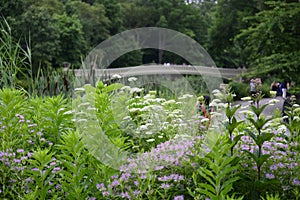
(227, 73)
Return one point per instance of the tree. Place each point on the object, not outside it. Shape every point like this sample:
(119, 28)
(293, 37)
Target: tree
(113, 13)
(11, 8)
(272, 41)
(95, 24)
(227, 22)
(37, 22)
(172, 14)
(135, 15)
(71, 40)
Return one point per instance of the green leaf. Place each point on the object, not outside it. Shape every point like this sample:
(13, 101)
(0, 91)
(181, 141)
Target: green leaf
(251, 134)
(231, 111)
(208, 175)
(263, 138)
(228, 183)
(262, 159)
(259, 110)
(254, 123)
(227, 170)
(203, 191)
(113, 87)
(253, 156)
(237, 138)
(207, 187)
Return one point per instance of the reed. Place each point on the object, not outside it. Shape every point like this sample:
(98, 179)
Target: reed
(14, 60)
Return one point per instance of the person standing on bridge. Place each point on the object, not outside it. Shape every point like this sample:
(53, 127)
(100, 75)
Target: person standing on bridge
(253, 89)
(284, 89)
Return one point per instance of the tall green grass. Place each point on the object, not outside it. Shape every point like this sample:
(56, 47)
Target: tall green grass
(13, 58)
(17, 71)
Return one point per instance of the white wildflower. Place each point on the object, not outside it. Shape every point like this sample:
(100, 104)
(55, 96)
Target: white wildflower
(223, 105)
(216, 100)
(246, 99)
(171, 115)
(149, 133)
(285, 117)
(132, 79)
(79, 89)
(143, 127)
(157, 107)
(282, 129)
(213, 104)
(177, 111)
(216, 91)
(127, 118)
(148, 97)
(172, 101)
(132, 110)
(204, 120)
(186, 96)
(273, 101)
(126, 88)
(150, 140)
(135, 90)
(91, 108)
(159, 100)
(116, 76)
(215, 114)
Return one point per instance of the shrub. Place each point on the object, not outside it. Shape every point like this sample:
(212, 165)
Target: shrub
(240, 89)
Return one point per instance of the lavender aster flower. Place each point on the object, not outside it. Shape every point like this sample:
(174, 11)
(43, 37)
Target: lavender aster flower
(20, 150)
(165, 186)
(115, 183)
(296, 181)
(179, 197)
(270, 176)
(105, 193)
(125, 195)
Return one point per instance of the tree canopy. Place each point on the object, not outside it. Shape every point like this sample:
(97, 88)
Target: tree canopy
(262, 35)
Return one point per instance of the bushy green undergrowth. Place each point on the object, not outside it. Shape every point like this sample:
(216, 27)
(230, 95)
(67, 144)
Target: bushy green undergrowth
(171, 151)
(243, 89)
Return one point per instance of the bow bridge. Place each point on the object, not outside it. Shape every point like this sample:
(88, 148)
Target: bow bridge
(155, 69)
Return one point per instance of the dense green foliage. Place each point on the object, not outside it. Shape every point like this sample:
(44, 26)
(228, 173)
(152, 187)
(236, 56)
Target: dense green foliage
(51, 148)
(117, 141)
(258, 34)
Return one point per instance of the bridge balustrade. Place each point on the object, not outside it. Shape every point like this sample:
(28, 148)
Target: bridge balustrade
(161, 69)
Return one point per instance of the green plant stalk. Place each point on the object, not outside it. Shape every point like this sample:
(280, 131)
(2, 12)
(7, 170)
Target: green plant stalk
(219, 173)
(42, 177)
(12, 58)
(260, 138)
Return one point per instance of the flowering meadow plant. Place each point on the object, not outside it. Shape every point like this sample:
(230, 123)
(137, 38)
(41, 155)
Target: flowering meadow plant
(172, 153)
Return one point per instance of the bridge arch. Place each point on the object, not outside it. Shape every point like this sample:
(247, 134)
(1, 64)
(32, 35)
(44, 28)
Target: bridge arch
(157, 38)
